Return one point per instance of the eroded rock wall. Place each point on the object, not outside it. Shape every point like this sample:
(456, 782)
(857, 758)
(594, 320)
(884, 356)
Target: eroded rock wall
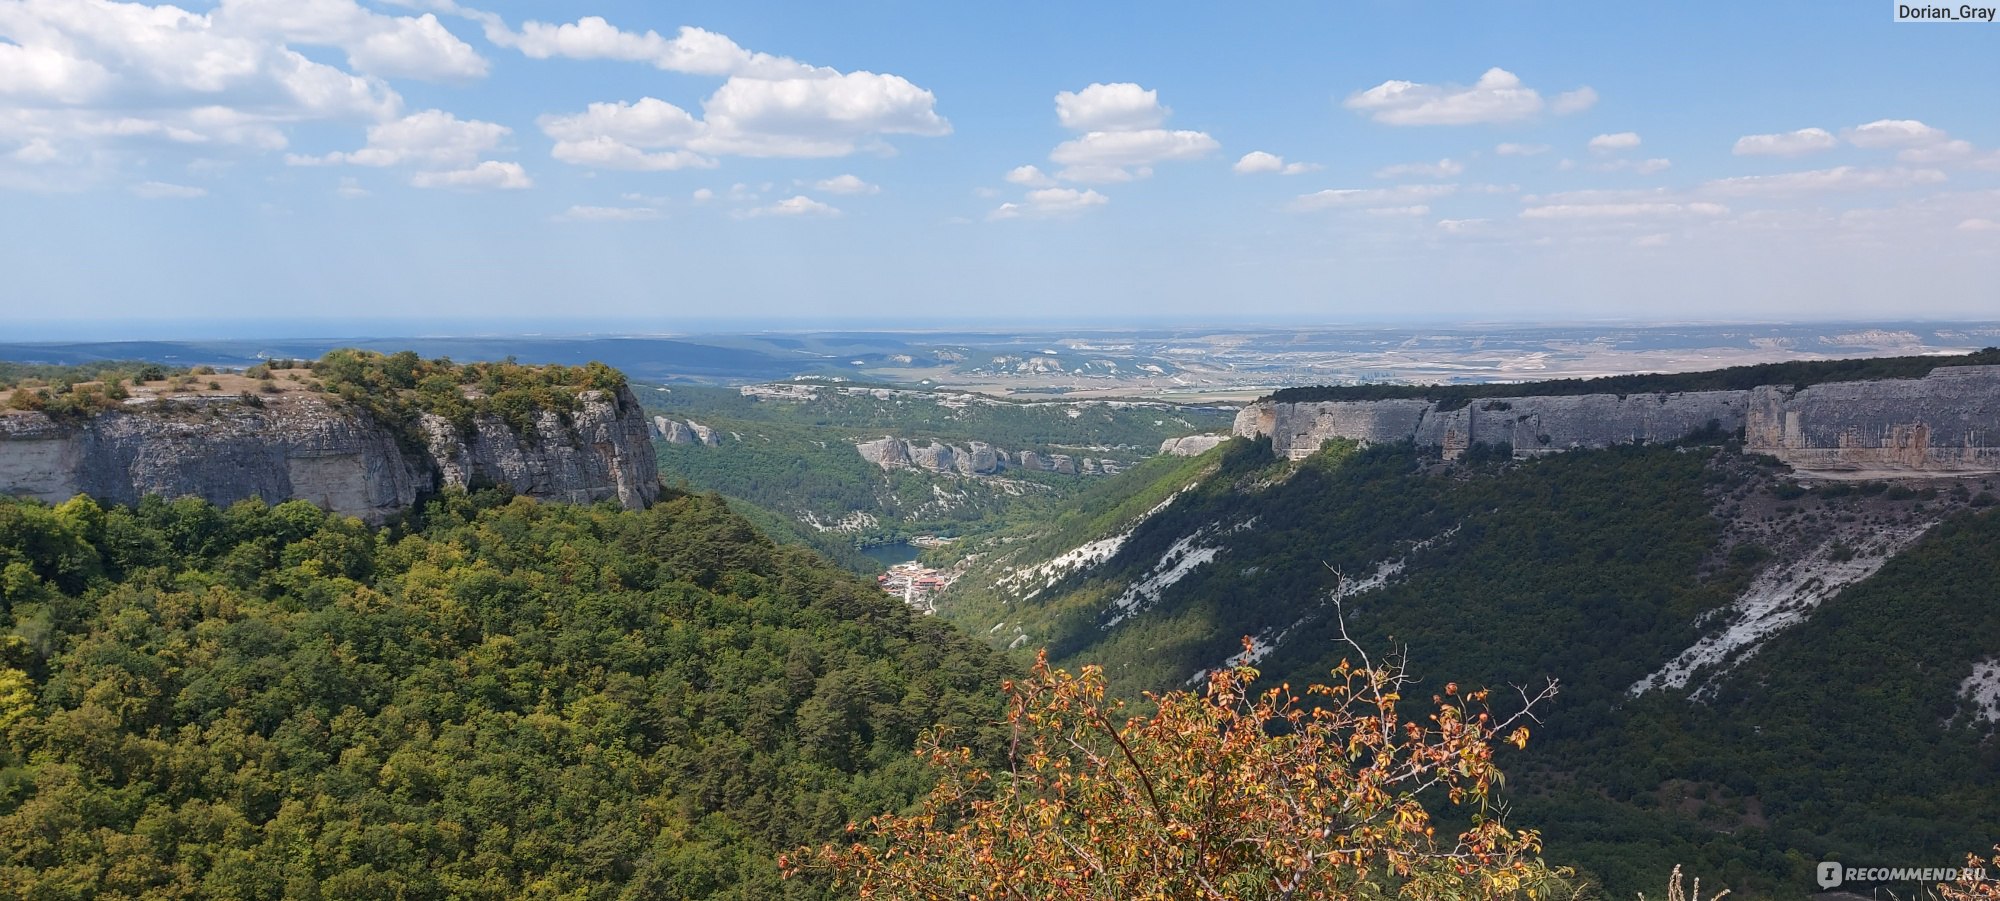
(1945, 424)
(314, 448)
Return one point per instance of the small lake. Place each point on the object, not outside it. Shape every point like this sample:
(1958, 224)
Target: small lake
(892, 553)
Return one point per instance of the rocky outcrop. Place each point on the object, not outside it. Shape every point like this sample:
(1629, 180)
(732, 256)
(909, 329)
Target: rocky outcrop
(674, 431)
(1192, 445)
(977, 459)
(703, 434)
(1944, 424)
(315, 448)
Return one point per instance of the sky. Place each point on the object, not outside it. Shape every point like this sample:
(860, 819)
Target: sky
(594, 161)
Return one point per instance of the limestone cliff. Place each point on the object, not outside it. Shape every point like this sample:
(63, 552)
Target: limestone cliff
(977, 459)
(315, 447)
(1947, 423)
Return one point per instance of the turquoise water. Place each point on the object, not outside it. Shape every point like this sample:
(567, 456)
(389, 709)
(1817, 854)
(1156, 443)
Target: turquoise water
(892, 553)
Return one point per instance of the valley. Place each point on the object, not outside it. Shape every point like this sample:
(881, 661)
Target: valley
(1768, 608)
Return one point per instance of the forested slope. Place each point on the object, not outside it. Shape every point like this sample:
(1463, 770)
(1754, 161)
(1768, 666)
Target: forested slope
(497, 699)
(1847, 734)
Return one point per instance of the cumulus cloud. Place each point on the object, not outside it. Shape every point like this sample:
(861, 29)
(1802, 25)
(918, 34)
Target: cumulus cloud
(1893, 133)
(1614, 143)
(607, 214)
(1257, 161)
(1842, 178)
(823, 116)
(490, 175)
(846, 184)
(1521, 149)
(1133, 148)
(1342, 198)
(1979, 225)
(1498, 96)
(1029, 176)
(394, 46)
(1121, 139)
(1051, 202)
(1110, 107)
(81, 76)
(767, 106)
(692, 51)
(796, 207)
(1445, 168)
(1411, 210)
(91, 85)
(1790, 143)
(432, 137)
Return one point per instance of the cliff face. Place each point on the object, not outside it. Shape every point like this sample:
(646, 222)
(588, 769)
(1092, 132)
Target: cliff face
(976, 459)
(1946, 424)
(310, 447)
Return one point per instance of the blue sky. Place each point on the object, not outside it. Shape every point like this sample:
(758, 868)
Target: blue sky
(791, 164)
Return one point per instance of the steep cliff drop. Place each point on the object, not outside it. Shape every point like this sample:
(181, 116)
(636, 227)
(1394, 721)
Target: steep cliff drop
(1944, 424)
(315, 446)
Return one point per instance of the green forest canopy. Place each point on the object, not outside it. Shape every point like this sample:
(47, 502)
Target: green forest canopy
(497, 699)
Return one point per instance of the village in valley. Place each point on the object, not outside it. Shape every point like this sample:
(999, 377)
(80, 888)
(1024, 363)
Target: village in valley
(918, 585)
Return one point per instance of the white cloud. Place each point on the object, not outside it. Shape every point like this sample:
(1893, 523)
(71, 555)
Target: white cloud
(1842, 178)
(156, 190)
(1339, 198)
(812, 117)
(702, 195)
(91, 79)
(1521, 149)
(350, 189)
(608, 153)
(1110, 107)
(1121, 137)
(692, 51)
(1576, 101)
(1498, 96)
(1051, 202)
(1030, 176)
(1412, 210)
(1462, 226)
(1133, 148)
(620, 136)
(1613, 143)
(796, 207)
(823, 116)
(1791, 143)
(1892, 133)
(1623, 210)
(1979, 225)
(846, 184)
(432, 137)
(607, 214)
(1445, 168)
(489, 175)
(394, 46)
(1258, 161)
